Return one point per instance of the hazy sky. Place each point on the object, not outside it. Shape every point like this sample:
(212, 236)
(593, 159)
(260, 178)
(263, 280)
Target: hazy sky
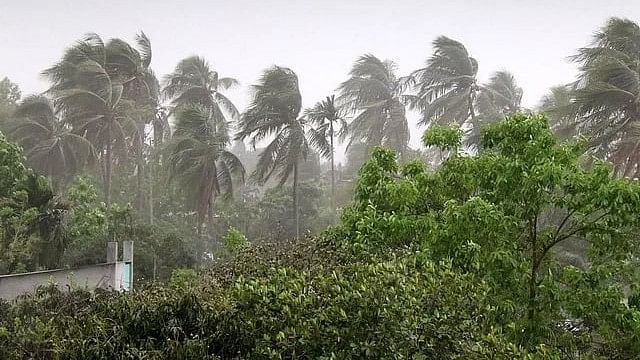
(318, 39)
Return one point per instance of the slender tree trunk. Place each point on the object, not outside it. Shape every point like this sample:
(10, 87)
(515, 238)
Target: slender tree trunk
(154, 160)
(471, 108)
(333, 173)
(210, 221)
(107, 169)
(140, 183)
(151, 183)
(140, 196)
(295, 199)
(531, 306)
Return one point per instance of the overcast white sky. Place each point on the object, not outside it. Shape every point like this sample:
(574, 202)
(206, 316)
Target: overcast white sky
(318, 39)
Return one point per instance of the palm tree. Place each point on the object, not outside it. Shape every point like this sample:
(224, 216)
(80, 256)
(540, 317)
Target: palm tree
(558, 105)
(607, 91)
(498, 98)
(143, 88)
(50, 146)
(197, 158)
(194, 82)
(274, 111)
(89, 87)
(50, 222)
(373, 93)
(447, 86)
(326, 117)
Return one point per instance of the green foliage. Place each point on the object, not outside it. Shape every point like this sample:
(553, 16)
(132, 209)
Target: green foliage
(12, 170)
(235, 240)
(32, 218)
(443, 137)
(271, 217)
(183, 278)
(509, 215)
(399, 309)
(9, 97)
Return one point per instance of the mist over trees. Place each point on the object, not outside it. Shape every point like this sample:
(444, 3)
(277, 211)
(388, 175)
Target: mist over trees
(510, 233)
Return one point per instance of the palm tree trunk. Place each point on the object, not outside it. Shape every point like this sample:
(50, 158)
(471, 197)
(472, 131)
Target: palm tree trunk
(210, 221)
(140, 183)
(295, 199)
(141, 167)
(107, 169)
(150, 200)
(471, 109)
(333, 174)
(154, 160)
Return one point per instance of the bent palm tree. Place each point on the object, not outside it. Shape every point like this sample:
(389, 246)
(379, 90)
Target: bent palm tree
(88, 86)
(498, 98)
(446, 86)
(373, 93)
(274, 112)
(197, 158)
(607, 93)
(558, 104)
(194, 82)
(50, 146)
(326, 117)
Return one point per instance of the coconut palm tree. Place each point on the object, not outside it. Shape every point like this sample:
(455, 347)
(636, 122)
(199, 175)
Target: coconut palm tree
(273, 114)
(194, 82)
(50, 222)
(197, 158)
(372, 94)
(607, 93)
(50, 146)
(558, 105)
(499, 97)
(143, 89)
(324, 115)
(446, 88)
(89, 87)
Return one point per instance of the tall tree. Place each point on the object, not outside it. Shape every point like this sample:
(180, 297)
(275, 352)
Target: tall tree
(607, 92)
(198, 159)
(194, 82)
(50, 146)
(326, 118)
(143, 89)
(373, 94)
(447, 86)
(9, 97)
(499, 97)
(274, 112)
(89, 86)
(559, 107)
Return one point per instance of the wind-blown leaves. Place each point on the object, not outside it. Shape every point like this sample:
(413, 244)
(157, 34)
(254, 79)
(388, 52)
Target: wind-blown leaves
(446, 87)
(558, 105)
(373, 94)
(198, 159)
(51, 147)
(194, 82)
(101, 87)
(274, 111)
(497, 99)
(605, 96)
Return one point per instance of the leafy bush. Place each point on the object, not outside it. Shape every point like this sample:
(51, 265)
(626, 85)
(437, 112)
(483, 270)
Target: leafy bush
(235, 240)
